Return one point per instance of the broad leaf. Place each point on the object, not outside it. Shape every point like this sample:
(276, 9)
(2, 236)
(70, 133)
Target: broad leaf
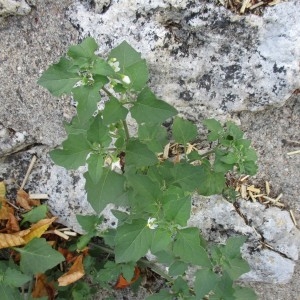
(161, 295)
(101, 67)
(149, 109)
(38, 256)
(139, 155)
(132, 241)
(85, 49)
(244, 293)
(58, 80)
(187, 247)
(15, 278)
(95, 166)
(88, 222)
(9, 293)
(184, 131)
(206, 281)
(74, 152)
(98, 132)
(36, 214)
(177, 268)
(114, 111)
(161, 240)
(108, 189)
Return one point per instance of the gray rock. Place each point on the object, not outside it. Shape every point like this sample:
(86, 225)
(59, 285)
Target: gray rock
(202, 57)
(14, 7)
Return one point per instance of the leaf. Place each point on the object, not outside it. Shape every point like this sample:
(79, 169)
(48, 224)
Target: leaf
(98, 132)
(177, 268)
(187, 247)
(139, 155)
(149, 109)
(38, 257)
(10, 240)
(95, 166)
(5, 209)
(132, 241)
(161, 295)
(161, 240)
(114, 111)
(154, 136)
(85, 49)
(233, 130)
(123, 283)
(88, 222)
(184, 131)
(213, 125)
(101, 67)
(108, 189)
(87, 97)
(9, 293)
(75, 273)
(58, 80)
(43, 288)
(205, 281)
(131, 64)
(12, 224)
(74, 152)
(35, 215)
(15, 278)
(23, 199)
(37, 229)
(244, 293)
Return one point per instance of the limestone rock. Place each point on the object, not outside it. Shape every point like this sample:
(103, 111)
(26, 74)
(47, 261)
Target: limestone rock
(14, 7)
(202, 58)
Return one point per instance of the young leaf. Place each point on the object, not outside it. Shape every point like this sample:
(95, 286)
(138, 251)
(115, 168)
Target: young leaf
(138, 74)
(36, 214)
(187, 247)
(85, 49)
(101, 67)
(234, 131)
(37, 257)
(108, 189)
(184, 131)
(149, 109)
(206, 280)
(58, 80)
(114, 111)
(95, 166)
(139, 155)
(98, 132)
(74, 152)
(132, 241)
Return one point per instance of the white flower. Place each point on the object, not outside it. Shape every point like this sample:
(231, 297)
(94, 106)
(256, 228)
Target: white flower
(125, 79)
(114, 64)
(151, 223)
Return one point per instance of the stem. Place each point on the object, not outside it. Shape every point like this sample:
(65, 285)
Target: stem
(30, 286)
(126, 130)
(207, 153)
(107, 92)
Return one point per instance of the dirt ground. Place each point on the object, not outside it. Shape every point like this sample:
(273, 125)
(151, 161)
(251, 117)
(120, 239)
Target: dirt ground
(30, 43)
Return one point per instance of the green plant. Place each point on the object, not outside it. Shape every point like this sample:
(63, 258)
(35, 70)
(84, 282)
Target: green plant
(135, 171)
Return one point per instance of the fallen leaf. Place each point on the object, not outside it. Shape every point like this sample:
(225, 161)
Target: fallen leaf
(12, 224)
(69, 256)
(123, 283)
(37, 229)
(2, 189)
(75, 273)
(22, 199)
(10, 240)
(43, 288)
(5, 209)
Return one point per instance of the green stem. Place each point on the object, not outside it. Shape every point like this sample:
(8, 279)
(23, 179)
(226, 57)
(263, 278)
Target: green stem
(126, 130)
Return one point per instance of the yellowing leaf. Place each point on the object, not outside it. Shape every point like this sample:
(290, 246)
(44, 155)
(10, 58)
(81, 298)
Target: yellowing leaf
(74, 274)
(2, 189)
(10, 240)
(38, 229)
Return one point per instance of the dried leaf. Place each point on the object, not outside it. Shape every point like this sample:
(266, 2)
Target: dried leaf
(75, 273)
(69, 256)
(12, 224)
(2, 189)
(10, 240)
(5, 209)
(38, 229)
(43, 288)
(22, 199)
(123, 283)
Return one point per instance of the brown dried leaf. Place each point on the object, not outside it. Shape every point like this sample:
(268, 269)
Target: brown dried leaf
(36, 230)
(2, 189)
(43, 288)
(10, 240)
(12, 224)
(5, 209)
(75, 273)
(22, 199)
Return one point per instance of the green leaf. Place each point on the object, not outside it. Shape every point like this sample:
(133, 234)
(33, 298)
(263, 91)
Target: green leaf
(139, 155)
(83, 240)
(95, 166)
(98, 132)
(9, 293)
(149, 109)
(108, 189)
(177, 268)
(114, 111)
(101, 67)
(180, 286)
(87, 97)
(154, 136)
(85, 49)
(234, 131)
(128, 271)
(38, 256)
(224, 289)
(57, 79)
(213, 125)
(74, 152)
(161, 295)
(131, 64)
(15, 278)
(244, 293)
(88, 222)
(36, 214)
(77, 126)
(161, 240)
(184, 131)
(187, 247)
(205, 281)
(132, 241)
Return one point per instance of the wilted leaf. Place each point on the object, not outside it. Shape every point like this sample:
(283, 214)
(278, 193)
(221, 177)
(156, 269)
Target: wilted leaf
(23, 199)
(10, 240)
(5, 209)
(75, 273)
(43, 288)
(12, 224)
(2, 189)
(123, 283)
(38, 229)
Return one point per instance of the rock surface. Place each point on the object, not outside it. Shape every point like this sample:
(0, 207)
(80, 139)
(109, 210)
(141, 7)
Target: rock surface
(12, 7)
